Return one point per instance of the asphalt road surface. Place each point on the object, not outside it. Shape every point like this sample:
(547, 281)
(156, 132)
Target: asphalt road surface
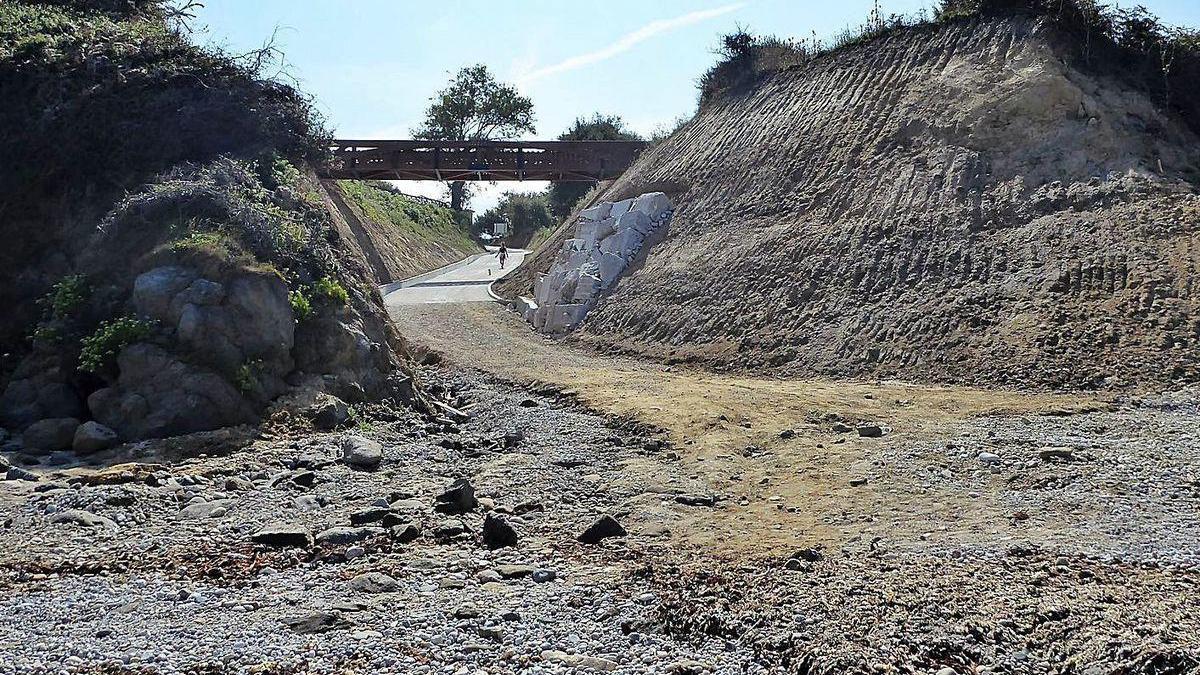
(466, 282)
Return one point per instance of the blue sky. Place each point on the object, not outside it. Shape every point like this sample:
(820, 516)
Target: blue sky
(373, 64)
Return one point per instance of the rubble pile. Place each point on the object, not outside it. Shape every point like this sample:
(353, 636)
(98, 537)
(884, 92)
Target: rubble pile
(608, 237)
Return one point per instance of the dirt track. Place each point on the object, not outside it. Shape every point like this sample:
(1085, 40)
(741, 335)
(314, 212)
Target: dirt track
(924, 483)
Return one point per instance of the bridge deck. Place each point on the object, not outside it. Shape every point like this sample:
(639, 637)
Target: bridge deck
(482, 160)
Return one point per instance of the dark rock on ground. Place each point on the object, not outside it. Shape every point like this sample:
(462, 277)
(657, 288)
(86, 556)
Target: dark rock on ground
(316, 622)
(329, 413)
(604, 527)
(374, 582)
(497, 533)
(361, 453)
(84, 518)
(870, 431)
(458, 498)
(337, 536)
(93, 437)
(405, 533)
(51, 434)
(283, 535)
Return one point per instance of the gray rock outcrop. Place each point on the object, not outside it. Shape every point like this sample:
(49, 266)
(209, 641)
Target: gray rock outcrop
(158, 395)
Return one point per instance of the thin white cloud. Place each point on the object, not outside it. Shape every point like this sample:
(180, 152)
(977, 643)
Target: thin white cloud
(629, 41)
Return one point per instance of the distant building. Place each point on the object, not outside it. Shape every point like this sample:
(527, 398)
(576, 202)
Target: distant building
(500, 229)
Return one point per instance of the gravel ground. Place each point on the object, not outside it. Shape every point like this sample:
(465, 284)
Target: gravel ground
(1094, 572)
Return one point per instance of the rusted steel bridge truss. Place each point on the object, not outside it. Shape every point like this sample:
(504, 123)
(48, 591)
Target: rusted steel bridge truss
(482, 160)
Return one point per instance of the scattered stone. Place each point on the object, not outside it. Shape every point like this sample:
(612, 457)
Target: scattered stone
(83, 518)
(580, 661)
(841, 428)
(604, 527)
(858, 482)
(361, 453)
(283, 535)
(214, 509)
(405, 533)
(458, 498)
(514, 571)
(93, 437)
(329, 413)
(811, 555)
(497, 533)
(870, 431)
(787, 433)
(340, 536)
(369, 516)
(467, 611)
(697, 500)
(48, 435)
(304, 479)
(1062, 454)
(238, 485)
(543, 576)
(315, 622)
(528, 403)
(988, 458)
(374, 582)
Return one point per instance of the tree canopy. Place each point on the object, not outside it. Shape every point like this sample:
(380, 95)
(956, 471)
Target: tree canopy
(475, 107)
(526, 214)
(598, 127)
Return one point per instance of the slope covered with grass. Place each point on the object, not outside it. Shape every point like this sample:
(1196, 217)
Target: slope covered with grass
(401, 236)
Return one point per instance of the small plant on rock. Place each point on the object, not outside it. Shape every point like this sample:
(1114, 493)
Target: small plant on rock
(301, 306)
(66, 296)
(99, 350)
(328, 289)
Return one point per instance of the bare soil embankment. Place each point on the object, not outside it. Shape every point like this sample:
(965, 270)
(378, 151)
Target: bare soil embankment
(950, 203)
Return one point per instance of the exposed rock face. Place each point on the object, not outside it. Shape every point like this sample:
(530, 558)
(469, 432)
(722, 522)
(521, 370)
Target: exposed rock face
(157, 395)
(251, 324)
(607, 239)
(953, 203)
(39, 388)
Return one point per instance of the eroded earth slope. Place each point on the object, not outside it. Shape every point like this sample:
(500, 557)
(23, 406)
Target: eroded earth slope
(952, 203)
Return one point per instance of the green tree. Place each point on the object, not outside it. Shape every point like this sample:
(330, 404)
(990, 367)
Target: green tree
(598, 127)
(475, 107)
(524, 213)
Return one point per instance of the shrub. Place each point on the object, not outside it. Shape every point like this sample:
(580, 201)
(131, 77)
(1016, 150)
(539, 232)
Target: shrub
(100, 349)
(328, 289)
(246, 376)
(1129, 44)
(301, 305)
(66, 296)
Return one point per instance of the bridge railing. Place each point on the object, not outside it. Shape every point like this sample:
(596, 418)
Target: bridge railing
(482, 160)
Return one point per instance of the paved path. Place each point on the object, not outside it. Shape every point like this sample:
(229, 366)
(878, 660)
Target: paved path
(466, 281)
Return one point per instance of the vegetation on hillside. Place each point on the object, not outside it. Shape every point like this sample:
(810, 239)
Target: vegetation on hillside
(529, 217)
(110, 98)
(1131, 44)
(598, 127)
(416, 219)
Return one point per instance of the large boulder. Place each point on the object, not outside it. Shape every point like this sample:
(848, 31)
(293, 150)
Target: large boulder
(338, 346)
(49, 435)
(361, 453)
(156, 395)
(244, 326)
(93, 437)
(39, 389)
